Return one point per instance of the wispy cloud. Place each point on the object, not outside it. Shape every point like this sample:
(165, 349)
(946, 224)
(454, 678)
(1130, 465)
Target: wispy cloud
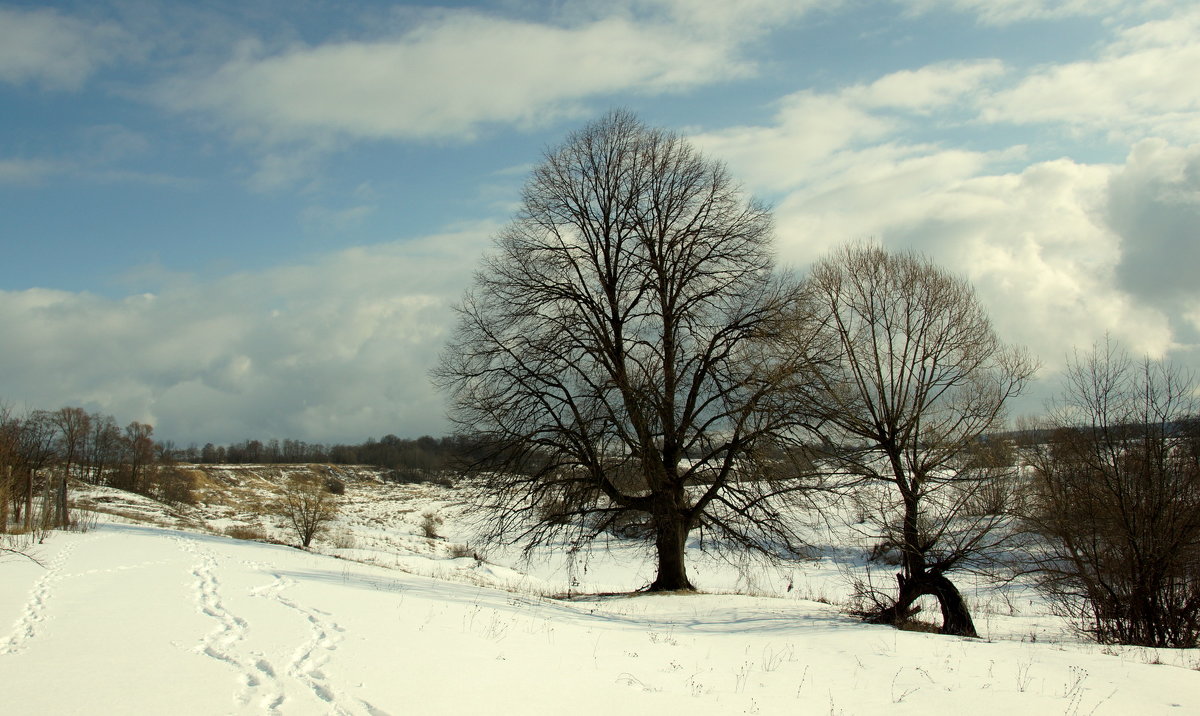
(27, 172)
(53, 50)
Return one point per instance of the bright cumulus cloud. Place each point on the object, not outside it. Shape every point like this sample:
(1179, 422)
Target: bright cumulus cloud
(250, 222)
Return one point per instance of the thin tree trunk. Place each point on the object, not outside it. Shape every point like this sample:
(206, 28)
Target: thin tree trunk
(5, 496)
(29, 502)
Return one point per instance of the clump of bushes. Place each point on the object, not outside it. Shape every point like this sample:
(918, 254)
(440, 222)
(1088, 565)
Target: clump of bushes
(430, 522)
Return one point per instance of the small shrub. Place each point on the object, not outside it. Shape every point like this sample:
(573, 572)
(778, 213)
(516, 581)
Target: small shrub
(246, 532)
(430, 522)
(82, 520)
(335, 486)
(343, 539)
(461, 550)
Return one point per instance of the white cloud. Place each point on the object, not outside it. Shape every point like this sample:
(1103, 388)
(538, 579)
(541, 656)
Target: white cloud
(53, 50)
(1037, 248)
(927, 88)
(1142, 83)
(334, 350)
(450, 76)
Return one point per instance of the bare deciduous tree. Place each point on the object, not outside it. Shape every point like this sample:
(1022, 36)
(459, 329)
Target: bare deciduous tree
(137, 459)
(920, 377)
(73, 426)
(1117, 496)
(8, 458)
(611, 358)
(35, 452)
(307, 506)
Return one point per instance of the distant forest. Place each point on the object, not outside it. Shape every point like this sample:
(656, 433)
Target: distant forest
(94, 447)
(423, 454)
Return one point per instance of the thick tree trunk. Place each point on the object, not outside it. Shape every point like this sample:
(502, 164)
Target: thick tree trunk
(670, 540)
(956, 618)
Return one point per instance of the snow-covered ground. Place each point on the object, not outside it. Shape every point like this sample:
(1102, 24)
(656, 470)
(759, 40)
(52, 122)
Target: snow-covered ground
(133, 618)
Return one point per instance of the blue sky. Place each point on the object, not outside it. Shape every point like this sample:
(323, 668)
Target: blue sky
(250, 219)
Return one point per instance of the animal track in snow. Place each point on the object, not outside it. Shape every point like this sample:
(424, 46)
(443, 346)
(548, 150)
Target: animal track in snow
(220, 643)
(34, 613)
(309, 659)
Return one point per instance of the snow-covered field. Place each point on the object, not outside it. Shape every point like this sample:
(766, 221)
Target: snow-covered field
(140, 619)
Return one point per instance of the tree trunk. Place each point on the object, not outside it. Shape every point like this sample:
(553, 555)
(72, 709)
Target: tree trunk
(956, 618)
(670, 540)
(62, 517)
(29, 502)
(5, 495)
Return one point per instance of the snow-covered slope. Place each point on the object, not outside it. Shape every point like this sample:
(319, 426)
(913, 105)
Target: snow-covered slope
(128, 618)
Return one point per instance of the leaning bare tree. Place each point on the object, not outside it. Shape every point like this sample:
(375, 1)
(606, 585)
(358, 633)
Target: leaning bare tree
(611, 359)
(1117, 497)
(920, 378)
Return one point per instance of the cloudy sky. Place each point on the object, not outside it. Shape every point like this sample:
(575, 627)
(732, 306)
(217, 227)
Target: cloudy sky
(249, 218)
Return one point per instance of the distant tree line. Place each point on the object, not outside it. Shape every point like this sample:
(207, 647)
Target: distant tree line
(424, 455)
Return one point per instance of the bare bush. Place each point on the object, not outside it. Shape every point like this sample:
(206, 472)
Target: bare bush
(343, 539)
(246, 532)
(430, 523)
(456, 551)
(1117, 497)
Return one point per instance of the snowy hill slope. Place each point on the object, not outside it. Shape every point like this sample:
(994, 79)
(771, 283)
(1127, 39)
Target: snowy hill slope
(129, 618)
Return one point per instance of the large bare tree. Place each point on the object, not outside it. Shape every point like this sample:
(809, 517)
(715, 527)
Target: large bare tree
(611, 358)
(919, 379)
(73, 426)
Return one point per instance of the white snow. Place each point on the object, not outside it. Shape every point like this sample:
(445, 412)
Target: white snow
(138, 619)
